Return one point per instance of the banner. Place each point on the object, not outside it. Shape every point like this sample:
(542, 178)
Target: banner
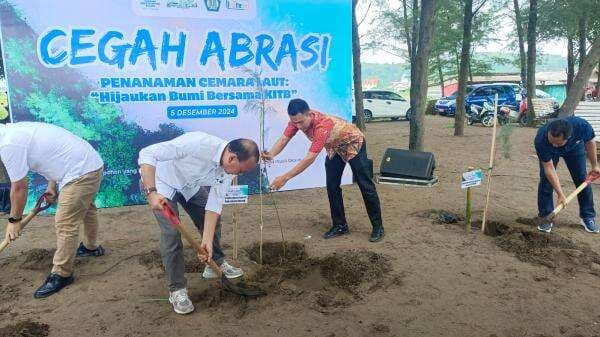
(124, 74)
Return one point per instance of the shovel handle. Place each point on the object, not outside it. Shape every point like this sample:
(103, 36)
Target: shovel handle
(3, 245)
(569, 198)
(24, 222)
(170, 215)
(41, 204)
(190, 239)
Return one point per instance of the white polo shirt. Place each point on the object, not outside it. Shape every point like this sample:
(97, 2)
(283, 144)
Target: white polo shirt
(49, 150)
(187, 163)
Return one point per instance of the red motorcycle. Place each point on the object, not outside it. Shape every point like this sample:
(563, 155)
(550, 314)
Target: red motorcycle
(523, 119)
(507, 114)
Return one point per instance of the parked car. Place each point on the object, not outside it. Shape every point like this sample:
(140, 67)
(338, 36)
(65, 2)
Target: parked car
(478, 94)
(446, 106)
(384, 104)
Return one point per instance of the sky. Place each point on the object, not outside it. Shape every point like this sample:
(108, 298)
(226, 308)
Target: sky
(370, 56)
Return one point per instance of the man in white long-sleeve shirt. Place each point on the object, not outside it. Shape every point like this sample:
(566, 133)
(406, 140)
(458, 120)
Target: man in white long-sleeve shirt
(194, 170)
(71, 166)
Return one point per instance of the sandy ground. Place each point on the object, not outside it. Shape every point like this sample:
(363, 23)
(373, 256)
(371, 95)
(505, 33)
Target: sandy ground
(424, 279)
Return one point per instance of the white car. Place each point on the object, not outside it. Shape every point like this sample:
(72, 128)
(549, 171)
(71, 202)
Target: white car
(384, 104)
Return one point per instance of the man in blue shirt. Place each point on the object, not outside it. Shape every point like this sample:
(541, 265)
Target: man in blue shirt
(571, 138)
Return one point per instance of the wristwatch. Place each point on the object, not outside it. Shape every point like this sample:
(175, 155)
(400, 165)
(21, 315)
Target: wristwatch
(149, 190)
(14, 220)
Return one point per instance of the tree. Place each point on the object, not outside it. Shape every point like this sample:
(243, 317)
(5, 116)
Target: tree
(392, 33)
(409, 37)
(557, 20)
(419, 76)
(582, 34)
(414, 78)
(519, 28)
(531, 42)
(397, 32)
(598, 73)
(358, 94)
(465, 55)
(580, 81)
(440, 65)
(570, 63)
(446, 42)
(575, 21)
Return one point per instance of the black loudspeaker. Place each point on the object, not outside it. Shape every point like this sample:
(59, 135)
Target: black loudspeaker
(369, 167)
(397, 163)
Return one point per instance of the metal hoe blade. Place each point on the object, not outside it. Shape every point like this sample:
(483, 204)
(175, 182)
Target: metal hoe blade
(232, 288)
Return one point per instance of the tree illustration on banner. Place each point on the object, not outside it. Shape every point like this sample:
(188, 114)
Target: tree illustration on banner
(38, 96)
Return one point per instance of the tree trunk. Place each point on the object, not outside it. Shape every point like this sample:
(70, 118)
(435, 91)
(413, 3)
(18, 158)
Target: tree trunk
(579, 83)
(531, 37)
(413, 68)
(440, 74)
(457, 57)
(421, 65)
(358, 95)
(598, 79)
(570, 63)
(415, 26)
(465, 55)
(582, 32)
(522, 57)
(407, 32)
(470, 71)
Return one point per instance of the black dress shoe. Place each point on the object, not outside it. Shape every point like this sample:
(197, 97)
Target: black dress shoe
(82, 251)
(53, 284)
(335, 231)
(377, 234)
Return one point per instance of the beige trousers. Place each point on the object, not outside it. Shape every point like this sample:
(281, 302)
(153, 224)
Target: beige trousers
(75, 207)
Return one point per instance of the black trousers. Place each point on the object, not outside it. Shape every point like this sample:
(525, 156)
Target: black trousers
(575, 161)
(334, 169)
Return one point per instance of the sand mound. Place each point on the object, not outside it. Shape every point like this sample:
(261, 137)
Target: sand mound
(25, 329)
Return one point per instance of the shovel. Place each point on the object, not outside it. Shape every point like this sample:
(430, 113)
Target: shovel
(225, 283)
(592, 176)
(41, 205)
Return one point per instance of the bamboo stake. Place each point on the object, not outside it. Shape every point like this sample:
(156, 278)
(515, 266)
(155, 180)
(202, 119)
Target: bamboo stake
(262, 145)
(468, 210)
(235, 225)
(263, 108)
(491, 166)
(260, 253)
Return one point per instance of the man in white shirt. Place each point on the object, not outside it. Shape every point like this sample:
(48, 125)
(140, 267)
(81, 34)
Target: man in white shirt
(194, 170)
(72, 167)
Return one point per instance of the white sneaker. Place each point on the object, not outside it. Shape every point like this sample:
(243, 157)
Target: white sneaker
(181, 302)
(231, 271)
(227, 269)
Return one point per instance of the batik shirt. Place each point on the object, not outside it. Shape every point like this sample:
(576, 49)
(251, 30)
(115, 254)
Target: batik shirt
(336, 135)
